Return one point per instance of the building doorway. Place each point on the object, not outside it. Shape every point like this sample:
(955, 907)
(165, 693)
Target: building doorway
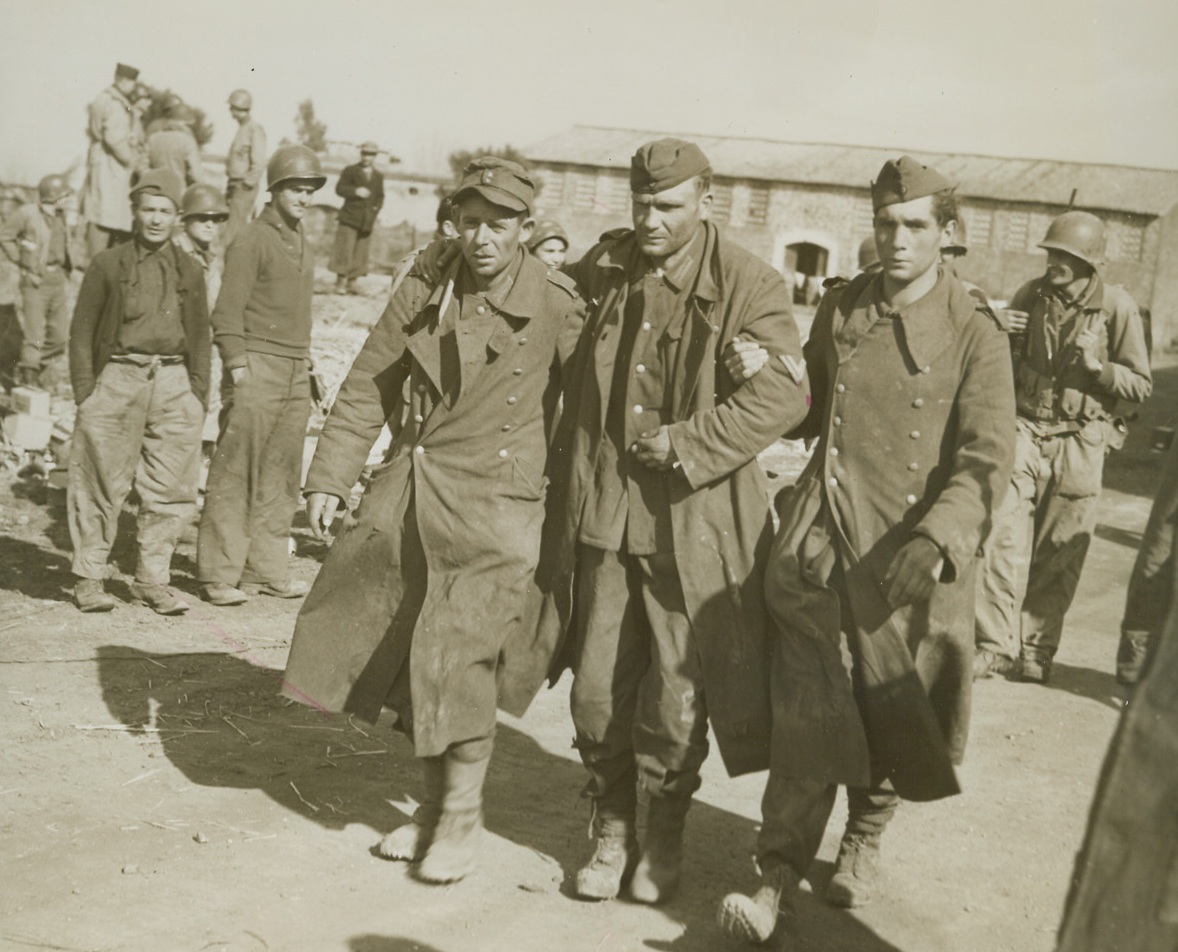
(806, 262)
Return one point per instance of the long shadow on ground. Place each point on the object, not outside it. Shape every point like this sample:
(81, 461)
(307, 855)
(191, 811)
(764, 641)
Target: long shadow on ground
(222, 723)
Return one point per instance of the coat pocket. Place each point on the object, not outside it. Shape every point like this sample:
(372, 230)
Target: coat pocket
(1081, 465)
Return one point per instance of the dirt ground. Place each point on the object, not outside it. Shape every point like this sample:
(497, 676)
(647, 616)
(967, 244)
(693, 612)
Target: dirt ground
(157, 794)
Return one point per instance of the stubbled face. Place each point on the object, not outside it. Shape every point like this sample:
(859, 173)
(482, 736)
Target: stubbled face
(490, 234)
(552, 251)
(292, 200)
(203, 229)
(1064, 269)
(155, 217)
(909, 240)
(666, 221)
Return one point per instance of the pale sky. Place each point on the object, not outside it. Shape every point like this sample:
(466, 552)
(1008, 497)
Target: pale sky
(1087, 80)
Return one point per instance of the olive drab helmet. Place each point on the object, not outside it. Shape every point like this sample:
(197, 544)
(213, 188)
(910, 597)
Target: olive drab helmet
(292, 163)
(241, 99)
(868, 253)
(202, 199)
(1080, 234)
(52, 188)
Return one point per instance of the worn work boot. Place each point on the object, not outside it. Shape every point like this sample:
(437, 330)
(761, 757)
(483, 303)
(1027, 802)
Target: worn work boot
(987, 663)
(158, 598)
(409, 842)
(615, 854)
(656, 877)
(1131, 654)
(453, 852)
(291, 588)
(223, 594)
(754, 918)
(90, 595)
(856, 872)
(1034, 670)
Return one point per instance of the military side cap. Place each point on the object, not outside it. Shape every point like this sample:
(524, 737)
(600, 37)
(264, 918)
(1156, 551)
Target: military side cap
(544, 230)
(905, 180)
(163, 182)
(500, 181)
(665, 163)
(123, 71)
(369, 148)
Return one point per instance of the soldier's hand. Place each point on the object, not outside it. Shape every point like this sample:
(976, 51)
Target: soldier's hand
(1088, 349)
(653, 448)
(743, 359)
(362, 191)
(1015, 320)
(434, 259)
(237, 375)
(914, 572)
(321, 509)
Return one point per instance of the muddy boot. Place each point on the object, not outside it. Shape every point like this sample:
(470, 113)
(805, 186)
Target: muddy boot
(453, 851)
(90, 595)
(754, 918)
(615, 854)
(409, 842)
(856, 872)
(656, 877)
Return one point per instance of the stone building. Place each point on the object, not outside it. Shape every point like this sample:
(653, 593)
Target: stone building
(805, 208)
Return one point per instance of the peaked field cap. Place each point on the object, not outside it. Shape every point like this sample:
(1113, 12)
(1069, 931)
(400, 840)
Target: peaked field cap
(905, 180)
(123, 71)
(500, 181)
(665, 163)
(163, 182)
(369, 148)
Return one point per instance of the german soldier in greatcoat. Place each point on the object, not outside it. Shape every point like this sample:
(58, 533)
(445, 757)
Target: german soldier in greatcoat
(420, 604)
(870, 584)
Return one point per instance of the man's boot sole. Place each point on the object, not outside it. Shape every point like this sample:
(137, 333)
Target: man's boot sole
(736, 917)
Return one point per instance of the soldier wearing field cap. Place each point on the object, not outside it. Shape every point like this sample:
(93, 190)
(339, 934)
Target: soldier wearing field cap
(262, 329)
(37, 240)
(139, 363)
(116, 153)
(659, 515)
(420, 605)
(871, 579)
(244, 165)
(361, 186)
(1081, 354)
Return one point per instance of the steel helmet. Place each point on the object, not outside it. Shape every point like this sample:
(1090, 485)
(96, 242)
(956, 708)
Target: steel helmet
(294, 163)
(868, 253)
(202, 199)
(959, 247)
(241, 99)
(1080, 234)
(52, 187)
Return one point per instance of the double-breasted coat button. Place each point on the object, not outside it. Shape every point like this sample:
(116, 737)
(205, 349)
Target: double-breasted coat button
(915, 434)
(513, 399)
(918, 402)
(926, 369)
(640, 368)
(646, 325)
(840, 388)
(837, 421)
(522, 341)
(503, 454)
(480, 310)
(418, 418)
(419, 450)
(505, 427)
(638, 408)
(518, 371)
(833, 481)
(834, 451)
(913, 467)
(910, 499)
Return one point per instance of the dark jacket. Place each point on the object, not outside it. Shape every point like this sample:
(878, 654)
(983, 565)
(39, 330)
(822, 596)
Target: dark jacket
(98, 315)
(721, 524)
(438, 565)
(360, 213)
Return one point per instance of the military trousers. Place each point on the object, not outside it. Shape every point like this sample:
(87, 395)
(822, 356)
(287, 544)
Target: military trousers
(242, 199)
(46, 321)
(1039, 541)
(255, 477)
(349, 253)
(141, 426)
(637, 698)
(1151, 584)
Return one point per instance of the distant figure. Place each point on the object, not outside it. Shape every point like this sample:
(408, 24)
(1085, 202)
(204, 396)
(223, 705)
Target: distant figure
(247, 159)
(139, 363)
(172, 144)
(362, 189)
(549, 243)
(113, 157)
(262, 327)
(868, 256)
(202, 213)
(951, 255)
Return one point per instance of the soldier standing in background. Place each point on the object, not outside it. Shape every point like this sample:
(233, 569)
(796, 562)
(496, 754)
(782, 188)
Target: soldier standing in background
(244, 165)
(549, 243)
(115, 154)
(1083, 350)
(262, 328)
(171, 143)
(361, 187)
(37, 241)
(139, 363)
(871, 581)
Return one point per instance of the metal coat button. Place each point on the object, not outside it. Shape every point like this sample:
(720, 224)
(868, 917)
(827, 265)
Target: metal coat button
(518, 371)
(638, 408)
(640, 368)
(505, 427)
(926, 370)
(503, 454)
(840, 388)
(915, 434)
(646, 325)
(513, 399)
(419, 450)
(913, 467)
(834, 451)
(480, 310)
(918, 402)
(418, 418)
(910, 499)
(833, 481)
(837, 421)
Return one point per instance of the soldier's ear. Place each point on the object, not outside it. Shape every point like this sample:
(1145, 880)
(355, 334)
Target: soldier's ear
(525, 230)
